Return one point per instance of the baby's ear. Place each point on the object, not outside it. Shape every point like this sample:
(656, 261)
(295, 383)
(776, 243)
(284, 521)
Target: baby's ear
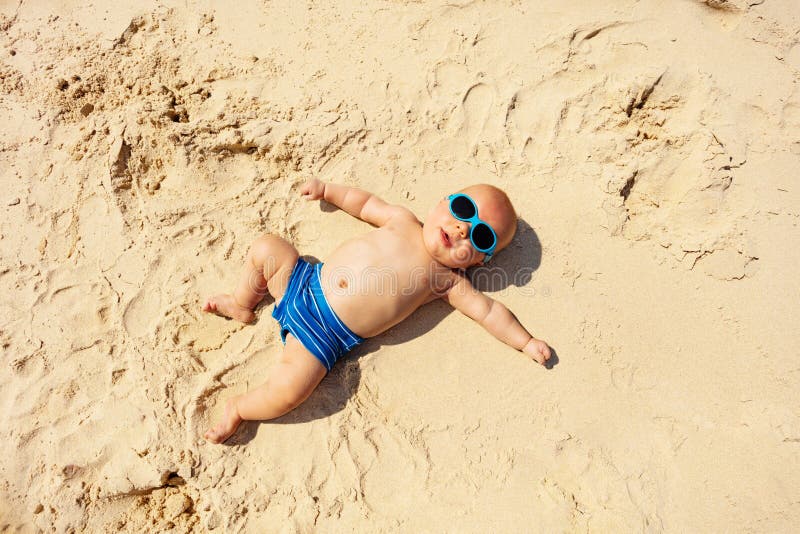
(506, 240)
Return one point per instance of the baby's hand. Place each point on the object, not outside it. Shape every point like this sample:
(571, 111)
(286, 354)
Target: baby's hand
(537, 350)
(313, 189)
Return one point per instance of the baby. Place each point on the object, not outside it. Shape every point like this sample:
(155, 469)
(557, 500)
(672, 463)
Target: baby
(326, 310)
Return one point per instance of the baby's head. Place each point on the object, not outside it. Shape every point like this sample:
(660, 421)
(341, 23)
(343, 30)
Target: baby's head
(447, 238)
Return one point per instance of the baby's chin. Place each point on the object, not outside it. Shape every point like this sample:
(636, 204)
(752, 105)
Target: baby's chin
(446, 258)
(438, 256)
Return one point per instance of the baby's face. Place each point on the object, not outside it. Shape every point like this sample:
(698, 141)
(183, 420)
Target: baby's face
(447, 238)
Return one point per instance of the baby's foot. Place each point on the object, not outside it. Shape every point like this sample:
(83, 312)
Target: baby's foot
(226, 306)
(227, 426)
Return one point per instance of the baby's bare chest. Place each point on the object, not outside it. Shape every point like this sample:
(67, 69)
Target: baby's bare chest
(376, 280)
(381, 263)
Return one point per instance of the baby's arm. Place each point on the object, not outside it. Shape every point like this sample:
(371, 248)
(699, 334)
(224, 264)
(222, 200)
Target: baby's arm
(496, 319)
(356, 202)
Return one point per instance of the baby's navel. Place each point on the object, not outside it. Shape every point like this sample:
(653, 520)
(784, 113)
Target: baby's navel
(342, 283)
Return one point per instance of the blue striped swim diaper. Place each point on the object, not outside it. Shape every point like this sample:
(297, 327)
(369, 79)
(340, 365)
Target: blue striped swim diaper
(305, 313)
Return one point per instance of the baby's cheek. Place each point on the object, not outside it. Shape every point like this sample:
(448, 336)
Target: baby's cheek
(461, 255)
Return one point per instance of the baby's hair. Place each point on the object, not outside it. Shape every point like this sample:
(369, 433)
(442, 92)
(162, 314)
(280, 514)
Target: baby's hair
(502, 194)
(506, 200)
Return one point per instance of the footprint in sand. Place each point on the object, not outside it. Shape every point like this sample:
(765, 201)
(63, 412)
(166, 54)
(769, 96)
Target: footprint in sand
(79, 313)
(165, 308)
(140, 317)
(203, 233)
(476, 104)
(119, 177)
(449, 79)
(96, 222)
(165, 311)
(209, 332)
(725, 13)
(535, 117)
(584, 487)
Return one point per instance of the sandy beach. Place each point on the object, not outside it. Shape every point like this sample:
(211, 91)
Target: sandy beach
(651, 150)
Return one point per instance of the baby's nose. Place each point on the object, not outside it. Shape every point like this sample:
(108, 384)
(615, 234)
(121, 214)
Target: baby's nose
(462, 229)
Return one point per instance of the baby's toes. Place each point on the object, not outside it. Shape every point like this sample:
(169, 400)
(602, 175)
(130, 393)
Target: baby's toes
(213, 436)
(210, 305)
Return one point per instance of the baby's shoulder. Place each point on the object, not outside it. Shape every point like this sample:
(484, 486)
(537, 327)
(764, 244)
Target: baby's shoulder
(403, 214)
(400, 217)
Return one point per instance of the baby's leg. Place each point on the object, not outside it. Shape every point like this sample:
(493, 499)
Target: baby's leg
(268, 265)
(290, 382)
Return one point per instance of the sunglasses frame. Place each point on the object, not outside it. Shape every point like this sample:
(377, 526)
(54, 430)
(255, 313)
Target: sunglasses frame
(489, 252)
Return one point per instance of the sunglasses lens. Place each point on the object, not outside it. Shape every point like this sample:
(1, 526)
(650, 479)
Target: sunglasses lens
(462, 207)
(482, 236)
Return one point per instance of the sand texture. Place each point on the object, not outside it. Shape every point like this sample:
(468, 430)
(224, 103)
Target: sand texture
(651, 148)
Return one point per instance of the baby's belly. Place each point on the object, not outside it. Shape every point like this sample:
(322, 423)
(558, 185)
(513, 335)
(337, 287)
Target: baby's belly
(370, 300)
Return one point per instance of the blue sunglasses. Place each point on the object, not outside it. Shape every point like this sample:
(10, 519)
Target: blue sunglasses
(481, 235)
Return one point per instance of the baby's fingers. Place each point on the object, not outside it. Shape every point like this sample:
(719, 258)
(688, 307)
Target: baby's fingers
(545, 351)
(538, 350)
(311, 190)
(539, 357)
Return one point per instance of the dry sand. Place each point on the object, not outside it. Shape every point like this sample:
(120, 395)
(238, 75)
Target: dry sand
(652, 151)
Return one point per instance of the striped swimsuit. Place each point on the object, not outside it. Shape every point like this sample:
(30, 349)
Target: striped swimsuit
(305, 313)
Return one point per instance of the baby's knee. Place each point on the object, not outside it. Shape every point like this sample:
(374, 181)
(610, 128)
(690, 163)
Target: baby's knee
(266, 243)
(270, 247)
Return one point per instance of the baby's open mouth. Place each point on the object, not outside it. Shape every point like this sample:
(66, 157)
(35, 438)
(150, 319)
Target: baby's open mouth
(445, 238)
